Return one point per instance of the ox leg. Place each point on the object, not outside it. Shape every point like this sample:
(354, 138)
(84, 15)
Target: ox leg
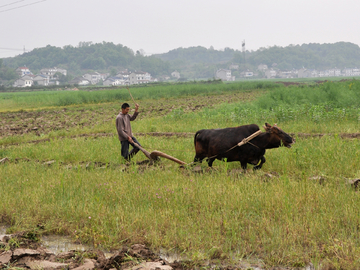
(243, 165)
(262, 161)
(210, 161)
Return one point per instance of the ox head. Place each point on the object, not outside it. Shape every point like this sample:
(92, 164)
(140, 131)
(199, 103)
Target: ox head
(279, 136)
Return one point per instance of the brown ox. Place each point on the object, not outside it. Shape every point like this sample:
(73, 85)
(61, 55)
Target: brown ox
(215, 144)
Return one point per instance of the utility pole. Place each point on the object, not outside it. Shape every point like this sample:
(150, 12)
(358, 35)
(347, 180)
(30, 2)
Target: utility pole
(243, 50)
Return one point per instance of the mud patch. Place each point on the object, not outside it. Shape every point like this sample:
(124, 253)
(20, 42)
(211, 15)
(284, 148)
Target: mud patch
(92, 165)
(34, 256)
(42, 258)
(290, 83)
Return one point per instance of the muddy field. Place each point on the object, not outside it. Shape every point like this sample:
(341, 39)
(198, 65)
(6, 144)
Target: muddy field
(41, 122)
(44, 121)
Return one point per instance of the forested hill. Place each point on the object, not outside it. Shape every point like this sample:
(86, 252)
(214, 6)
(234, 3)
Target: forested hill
(311, 56)
(103, 57)
(194, 55)
(192, 62)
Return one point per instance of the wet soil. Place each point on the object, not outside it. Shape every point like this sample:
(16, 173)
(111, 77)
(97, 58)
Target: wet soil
(25, 250)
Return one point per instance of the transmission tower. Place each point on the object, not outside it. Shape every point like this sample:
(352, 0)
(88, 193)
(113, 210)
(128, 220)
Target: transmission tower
(243, 50)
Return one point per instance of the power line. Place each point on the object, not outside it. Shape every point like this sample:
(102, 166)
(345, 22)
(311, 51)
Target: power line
(22, 6)
(12, 3)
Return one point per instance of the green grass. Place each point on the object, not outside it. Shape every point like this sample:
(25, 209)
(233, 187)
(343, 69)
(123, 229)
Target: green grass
(221, 214)
(286, 220)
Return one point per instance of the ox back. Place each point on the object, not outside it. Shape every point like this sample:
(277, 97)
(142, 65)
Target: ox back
(215, 144)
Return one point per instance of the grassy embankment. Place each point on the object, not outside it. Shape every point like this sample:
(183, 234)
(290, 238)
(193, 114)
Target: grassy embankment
(287, 220)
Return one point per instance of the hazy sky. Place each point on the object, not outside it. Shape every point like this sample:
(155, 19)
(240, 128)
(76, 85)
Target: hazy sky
(158, 26)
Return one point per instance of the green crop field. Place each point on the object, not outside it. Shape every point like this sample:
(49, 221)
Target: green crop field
(61, 168)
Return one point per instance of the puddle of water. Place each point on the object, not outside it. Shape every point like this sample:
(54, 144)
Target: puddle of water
(171, 256)
(58, 244)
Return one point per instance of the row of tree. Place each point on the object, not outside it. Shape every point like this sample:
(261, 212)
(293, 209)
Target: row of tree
(193, 62)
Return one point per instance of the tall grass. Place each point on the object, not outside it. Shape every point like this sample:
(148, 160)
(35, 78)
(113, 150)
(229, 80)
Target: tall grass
(332, 94)
(329, 107)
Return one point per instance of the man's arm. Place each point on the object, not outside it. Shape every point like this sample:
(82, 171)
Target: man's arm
(133, 117)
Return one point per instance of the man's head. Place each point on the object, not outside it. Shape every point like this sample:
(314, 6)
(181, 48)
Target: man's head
(125, 108)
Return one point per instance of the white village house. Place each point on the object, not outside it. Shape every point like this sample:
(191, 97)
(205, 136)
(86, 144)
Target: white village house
(52, 71)
(175, 74)
(22, 71)
(41, 79)
(80, 81)
(142, 77)
(224, 75)
(95, 77)
(113, 81)
(24, 81)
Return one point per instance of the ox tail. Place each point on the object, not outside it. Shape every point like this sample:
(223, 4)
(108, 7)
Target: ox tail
(195, 137)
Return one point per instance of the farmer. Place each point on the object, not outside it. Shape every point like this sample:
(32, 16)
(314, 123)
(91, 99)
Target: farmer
(124, 131)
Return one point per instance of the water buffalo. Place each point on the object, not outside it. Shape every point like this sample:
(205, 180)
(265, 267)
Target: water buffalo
(215, 144)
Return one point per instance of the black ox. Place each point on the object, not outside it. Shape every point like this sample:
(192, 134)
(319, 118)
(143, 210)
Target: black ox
(215, 144)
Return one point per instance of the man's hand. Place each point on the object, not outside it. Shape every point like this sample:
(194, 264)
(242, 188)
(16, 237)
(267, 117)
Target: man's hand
(130, 139)
(136, 107)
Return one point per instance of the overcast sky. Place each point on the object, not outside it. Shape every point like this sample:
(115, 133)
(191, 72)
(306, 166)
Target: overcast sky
(158, 26)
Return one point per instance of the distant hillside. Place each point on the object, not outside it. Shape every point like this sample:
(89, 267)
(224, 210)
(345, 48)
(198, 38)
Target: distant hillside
(104, 56)
(192, 63)
(198, 54)
(311, 56)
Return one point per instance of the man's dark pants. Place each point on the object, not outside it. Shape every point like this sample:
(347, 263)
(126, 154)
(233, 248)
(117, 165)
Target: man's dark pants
(125, 149)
